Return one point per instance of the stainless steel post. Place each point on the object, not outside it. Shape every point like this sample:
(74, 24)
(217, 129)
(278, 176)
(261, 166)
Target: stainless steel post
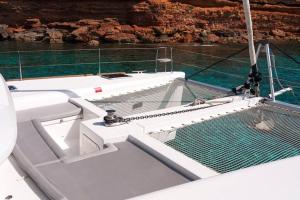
(258, 51)
(165, 58)
(20, 66)
(269, 62)
(156, 60)
(172, 59)
(99, 62)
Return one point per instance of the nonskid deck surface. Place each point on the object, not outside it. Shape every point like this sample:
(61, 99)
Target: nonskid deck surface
(242, 139)
(127, 172)
(177, 93)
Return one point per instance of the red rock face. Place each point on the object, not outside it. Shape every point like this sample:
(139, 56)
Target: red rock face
(147, 21)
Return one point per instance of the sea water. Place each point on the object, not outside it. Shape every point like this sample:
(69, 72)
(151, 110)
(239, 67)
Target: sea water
(43, 60)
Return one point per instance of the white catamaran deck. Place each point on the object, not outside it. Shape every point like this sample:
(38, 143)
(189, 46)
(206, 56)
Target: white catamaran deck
(147, 135)
(65, 150)
(32, 93)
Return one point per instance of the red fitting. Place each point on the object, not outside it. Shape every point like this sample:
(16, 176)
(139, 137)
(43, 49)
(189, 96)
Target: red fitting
(98, 89)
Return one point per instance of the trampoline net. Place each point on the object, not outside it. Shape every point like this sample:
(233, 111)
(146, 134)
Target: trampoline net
(176, 93)
(243, 139)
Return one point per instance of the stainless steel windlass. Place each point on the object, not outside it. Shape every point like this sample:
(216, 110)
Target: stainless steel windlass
(111, 119)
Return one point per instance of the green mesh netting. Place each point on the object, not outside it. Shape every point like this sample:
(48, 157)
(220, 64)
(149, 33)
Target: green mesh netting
(159, 98)
(247, 138)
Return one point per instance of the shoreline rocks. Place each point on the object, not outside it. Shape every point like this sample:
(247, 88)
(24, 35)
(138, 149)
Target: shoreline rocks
(55, 36)
(3, 32)
(111, 31)
(165, 21)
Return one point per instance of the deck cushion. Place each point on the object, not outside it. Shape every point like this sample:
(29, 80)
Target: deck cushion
(32, 144)
(33, 172)
(122, 174)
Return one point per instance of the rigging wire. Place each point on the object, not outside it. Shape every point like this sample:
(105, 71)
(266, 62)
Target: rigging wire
(286, 54)
(281, 85)
(212, 56)
(288, 68)
(213, 70)
(76, 50)
(217, 62)
(287, 81)
(277, 78)
(78, 64)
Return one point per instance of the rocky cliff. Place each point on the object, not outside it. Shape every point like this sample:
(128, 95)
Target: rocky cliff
(146, 21)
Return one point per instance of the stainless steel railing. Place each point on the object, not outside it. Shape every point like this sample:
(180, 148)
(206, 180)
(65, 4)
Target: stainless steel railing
(160, 55)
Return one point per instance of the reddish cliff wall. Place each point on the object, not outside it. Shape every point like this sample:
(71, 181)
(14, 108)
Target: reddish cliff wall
(16, 11)
(147, 20)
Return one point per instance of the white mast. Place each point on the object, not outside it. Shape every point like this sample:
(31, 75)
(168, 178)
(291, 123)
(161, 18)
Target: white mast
(246, 5)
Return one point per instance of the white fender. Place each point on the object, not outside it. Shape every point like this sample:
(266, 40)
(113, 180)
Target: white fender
(8, 122)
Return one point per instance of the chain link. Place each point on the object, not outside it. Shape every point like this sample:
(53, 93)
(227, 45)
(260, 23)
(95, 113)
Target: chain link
(163, 114)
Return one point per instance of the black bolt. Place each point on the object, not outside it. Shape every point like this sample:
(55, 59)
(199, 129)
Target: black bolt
(8, 197)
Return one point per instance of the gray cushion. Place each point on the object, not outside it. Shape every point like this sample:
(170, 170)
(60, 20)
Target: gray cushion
(51, 191)
(32, 144)
(48, 113)
(122, 174)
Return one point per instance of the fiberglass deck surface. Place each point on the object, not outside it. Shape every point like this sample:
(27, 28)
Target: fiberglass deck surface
(247, 138)
(176, 93)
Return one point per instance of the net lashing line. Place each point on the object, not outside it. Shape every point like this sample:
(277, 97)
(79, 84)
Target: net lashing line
(247, 138)
(159, 98)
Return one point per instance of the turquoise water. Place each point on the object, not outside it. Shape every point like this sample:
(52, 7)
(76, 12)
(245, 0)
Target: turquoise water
(70, 62)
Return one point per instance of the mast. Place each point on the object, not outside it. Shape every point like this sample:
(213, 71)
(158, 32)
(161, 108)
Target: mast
(246, 5)
(254, 78)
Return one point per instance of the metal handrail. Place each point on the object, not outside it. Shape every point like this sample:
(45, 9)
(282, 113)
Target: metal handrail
(21, 66)
(165, 57)
(90, 63)
(63, 50)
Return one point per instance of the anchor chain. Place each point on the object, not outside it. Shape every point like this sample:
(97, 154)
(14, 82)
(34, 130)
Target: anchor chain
(126, 120)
